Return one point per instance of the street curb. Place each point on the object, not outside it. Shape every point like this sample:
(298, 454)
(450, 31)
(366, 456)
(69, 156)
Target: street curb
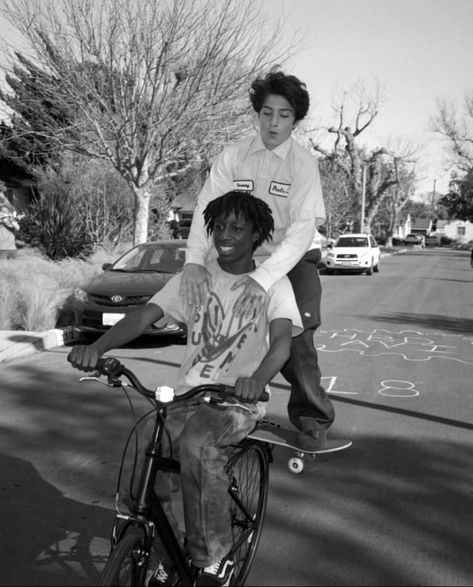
(19, 343)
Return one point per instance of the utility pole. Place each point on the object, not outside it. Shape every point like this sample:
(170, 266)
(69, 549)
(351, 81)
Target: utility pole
(433, 197)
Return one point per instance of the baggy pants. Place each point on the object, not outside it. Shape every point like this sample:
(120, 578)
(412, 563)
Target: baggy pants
(203, 438)
(309, 407)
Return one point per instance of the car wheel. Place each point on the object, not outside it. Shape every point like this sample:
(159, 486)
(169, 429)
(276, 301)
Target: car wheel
(369, 271)
(376, 267)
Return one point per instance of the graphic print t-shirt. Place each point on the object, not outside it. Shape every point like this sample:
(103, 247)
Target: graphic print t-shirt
(221, 347)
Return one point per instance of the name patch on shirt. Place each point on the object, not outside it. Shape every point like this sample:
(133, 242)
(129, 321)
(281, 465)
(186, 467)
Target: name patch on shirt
(277, 188)
(243, 185)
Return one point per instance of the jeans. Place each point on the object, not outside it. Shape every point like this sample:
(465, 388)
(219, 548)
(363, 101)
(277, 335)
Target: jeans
(202, 439)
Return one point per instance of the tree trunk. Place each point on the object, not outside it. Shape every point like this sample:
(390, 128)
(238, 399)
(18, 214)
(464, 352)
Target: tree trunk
(142, 198)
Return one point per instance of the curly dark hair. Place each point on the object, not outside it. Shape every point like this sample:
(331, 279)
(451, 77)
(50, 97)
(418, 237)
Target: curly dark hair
(243, 204)
(280, 84)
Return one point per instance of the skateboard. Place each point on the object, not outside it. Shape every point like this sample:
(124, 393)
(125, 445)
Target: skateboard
(268, 431)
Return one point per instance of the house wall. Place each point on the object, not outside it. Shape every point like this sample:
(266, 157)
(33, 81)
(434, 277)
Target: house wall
(459, 230)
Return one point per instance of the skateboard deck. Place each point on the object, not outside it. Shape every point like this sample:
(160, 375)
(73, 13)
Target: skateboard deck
(276, 434)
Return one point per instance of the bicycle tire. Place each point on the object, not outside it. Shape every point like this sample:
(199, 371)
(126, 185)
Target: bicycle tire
(122, 566)
(248, 472)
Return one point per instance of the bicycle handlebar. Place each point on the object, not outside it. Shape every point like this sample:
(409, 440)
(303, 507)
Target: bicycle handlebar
(113, 369)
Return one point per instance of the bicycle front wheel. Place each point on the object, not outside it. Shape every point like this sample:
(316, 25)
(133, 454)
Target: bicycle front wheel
(126, 563)
(248, 471)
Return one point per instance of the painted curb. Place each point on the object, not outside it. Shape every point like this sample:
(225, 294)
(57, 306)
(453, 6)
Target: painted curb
(19, 343)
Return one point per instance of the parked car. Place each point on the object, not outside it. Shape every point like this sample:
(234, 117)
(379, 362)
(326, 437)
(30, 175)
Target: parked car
(432, 241)
(127, 284)
(182, 229)
(353, 252)
(415, 239)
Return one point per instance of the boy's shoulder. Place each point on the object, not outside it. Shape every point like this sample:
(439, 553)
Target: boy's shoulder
(301, 154)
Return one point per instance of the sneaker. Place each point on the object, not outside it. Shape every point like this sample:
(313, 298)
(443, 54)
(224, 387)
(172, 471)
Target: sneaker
(160, 577)
(312, 440)
(216, 575)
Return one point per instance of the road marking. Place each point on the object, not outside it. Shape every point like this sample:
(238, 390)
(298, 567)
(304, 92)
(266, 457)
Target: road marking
(329, 387)
(402, 388)
(410, 345)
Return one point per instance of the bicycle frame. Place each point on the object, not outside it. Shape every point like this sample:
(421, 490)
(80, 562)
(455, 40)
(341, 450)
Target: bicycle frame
(147, 506)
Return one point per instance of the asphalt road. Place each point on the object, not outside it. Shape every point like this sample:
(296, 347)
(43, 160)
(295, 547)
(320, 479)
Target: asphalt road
(396, 352)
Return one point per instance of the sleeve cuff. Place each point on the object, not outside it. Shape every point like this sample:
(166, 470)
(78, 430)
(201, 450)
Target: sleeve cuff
(194, 257)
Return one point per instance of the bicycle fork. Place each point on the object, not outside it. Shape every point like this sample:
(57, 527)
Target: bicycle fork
(147, 511)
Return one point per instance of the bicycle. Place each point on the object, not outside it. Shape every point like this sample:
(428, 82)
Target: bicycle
(133, 534)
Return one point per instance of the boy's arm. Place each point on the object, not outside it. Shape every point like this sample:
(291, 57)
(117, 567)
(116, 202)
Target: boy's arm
(249, 389)
(196, 280)
(85, 357)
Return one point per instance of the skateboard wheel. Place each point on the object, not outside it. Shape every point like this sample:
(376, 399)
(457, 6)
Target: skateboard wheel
(295, 465)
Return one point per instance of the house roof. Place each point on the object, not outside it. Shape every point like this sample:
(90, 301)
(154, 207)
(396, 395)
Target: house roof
(422, 223)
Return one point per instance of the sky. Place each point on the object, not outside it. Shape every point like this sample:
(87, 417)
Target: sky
(419, 51)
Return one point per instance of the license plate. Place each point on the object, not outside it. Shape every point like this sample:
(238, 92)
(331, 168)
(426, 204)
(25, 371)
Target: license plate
(111, 319)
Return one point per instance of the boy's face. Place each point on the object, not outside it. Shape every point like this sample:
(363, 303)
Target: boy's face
(276, 121)
(233, 237)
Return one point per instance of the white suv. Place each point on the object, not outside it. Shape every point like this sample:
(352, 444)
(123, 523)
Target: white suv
(353, 252)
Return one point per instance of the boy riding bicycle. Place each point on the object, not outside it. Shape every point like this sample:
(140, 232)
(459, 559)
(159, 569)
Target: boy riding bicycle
(245, 352)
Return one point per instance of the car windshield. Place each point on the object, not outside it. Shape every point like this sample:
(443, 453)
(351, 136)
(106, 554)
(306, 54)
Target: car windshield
(352, 241)
(159, 258)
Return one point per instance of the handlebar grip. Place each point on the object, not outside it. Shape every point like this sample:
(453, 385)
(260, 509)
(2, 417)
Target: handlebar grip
(230, 390)
(109, 366)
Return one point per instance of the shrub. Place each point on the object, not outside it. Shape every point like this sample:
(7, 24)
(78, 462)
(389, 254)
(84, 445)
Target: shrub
(8, 301)
(53, 225)
(39, 303)
(36, 293)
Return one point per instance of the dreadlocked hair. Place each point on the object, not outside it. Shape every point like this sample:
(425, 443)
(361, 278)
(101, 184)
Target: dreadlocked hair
(243, 204)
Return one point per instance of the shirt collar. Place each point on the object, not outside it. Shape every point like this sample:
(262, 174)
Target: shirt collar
(281, 151)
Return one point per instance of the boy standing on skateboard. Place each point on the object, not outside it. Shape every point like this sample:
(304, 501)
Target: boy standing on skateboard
(275, 168)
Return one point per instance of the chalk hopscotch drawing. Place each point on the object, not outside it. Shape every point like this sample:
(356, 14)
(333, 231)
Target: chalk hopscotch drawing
(389, 388)
(398, 388)
(329, 384)
(411, 345)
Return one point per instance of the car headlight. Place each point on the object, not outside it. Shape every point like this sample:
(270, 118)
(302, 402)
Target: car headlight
(80, 295)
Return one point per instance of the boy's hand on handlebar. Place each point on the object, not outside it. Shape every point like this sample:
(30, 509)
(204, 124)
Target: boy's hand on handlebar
(84, 357)
(195, 284)
(248, 390)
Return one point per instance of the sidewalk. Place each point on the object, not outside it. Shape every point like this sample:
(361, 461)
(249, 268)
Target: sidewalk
(19, 343)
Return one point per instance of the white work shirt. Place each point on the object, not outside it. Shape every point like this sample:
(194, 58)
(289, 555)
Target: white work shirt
(287, 179)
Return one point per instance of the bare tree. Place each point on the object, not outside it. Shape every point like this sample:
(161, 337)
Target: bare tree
(151, 86)
(397, 197)
(457, 128)
(355, 112)
(340, 205)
